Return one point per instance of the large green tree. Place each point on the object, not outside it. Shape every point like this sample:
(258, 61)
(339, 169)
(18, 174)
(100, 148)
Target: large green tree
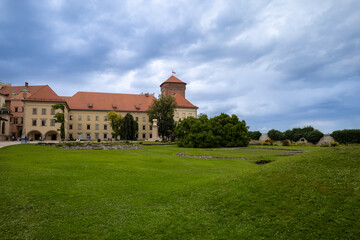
(116, 121)
(129, 128)
(163, 109)
(60, 118)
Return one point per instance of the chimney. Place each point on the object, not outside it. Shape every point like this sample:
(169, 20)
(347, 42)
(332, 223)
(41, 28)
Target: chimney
(26, 84)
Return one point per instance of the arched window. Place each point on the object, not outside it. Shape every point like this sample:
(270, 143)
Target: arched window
(3, 128)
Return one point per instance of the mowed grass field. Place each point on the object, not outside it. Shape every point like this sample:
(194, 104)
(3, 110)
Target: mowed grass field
(51, 193)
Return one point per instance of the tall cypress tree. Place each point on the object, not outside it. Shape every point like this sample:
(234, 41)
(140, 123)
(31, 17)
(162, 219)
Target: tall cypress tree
(129, 128)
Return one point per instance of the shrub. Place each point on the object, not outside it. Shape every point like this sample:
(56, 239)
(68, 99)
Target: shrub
(286, 142)
(347, 136)
(219, 131)
(324, 145)
(334, 144)
(276, 135)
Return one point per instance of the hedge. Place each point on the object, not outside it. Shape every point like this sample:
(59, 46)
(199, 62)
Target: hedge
(347, 136)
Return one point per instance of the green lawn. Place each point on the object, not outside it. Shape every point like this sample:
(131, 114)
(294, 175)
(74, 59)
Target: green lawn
(46, 192)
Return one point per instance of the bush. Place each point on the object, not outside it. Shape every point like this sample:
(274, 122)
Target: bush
(276, 135)
(219, 131)
(347, 136)
(334, 144)
(254, 135)
(286, 142)
(324, 145)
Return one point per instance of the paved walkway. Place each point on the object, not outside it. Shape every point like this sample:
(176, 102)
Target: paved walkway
(8, 143)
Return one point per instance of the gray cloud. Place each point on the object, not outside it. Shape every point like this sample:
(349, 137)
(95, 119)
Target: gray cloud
(277, 64)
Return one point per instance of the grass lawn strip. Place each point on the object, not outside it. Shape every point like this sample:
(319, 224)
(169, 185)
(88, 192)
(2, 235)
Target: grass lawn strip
(152, 193)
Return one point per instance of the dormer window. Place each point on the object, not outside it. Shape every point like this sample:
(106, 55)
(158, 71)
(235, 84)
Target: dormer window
(90, 105)
(114, 106)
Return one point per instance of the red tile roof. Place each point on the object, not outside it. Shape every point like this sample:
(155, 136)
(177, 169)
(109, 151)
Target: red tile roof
(8, 90)
(173, 79)
(109, 101)
(45, 94)
(183, 102)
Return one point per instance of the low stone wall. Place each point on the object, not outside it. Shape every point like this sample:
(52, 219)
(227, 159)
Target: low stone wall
(94, 146)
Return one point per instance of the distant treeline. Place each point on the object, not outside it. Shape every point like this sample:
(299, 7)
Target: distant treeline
(312, 135)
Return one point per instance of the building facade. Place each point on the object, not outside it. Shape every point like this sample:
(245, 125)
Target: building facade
(4, 119)
(31, 114)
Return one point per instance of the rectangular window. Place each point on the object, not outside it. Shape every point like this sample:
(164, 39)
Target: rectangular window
(183, 115)
(34, 122)
(96, 118)
(144, 127)
(71, 136)
(16, 109)
(34, 111)
(79, 126)
(177, 114)
(22, 120)
(144, 135)
(105, 135)
(88, 118)
(43, 111)
(22, 109)
(150, 127)
(52, 111)
(43, 122)
(137, 119)
(88, 126)
(150, 135)
(144, 119)
(105, 118)
(96, 126)
(52, 122)
(15, 120)
(79, 117)
(105, 127)
(71, 117)
(189, 114)
(70, 126)
(96, 136)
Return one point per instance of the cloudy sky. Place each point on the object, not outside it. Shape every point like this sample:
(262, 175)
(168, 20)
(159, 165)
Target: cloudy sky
(275, 64)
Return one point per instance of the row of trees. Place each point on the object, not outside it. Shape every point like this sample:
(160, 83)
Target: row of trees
(309, 133)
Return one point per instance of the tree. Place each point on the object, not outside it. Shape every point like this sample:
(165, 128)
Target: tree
(163, 109)
(116, 122)
(59, 118)
(276, 135)
(129, 128)
(309, 133)
(254, 135)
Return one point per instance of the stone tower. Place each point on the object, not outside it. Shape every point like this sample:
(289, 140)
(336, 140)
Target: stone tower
(172, 86)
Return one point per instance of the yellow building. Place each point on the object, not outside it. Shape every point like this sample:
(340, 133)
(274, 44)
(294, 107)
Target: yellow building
(85, 112)
(4, 119)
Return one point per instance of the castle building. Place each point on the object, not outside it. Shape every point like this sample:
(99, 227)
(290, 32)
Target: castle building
(29, 111)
